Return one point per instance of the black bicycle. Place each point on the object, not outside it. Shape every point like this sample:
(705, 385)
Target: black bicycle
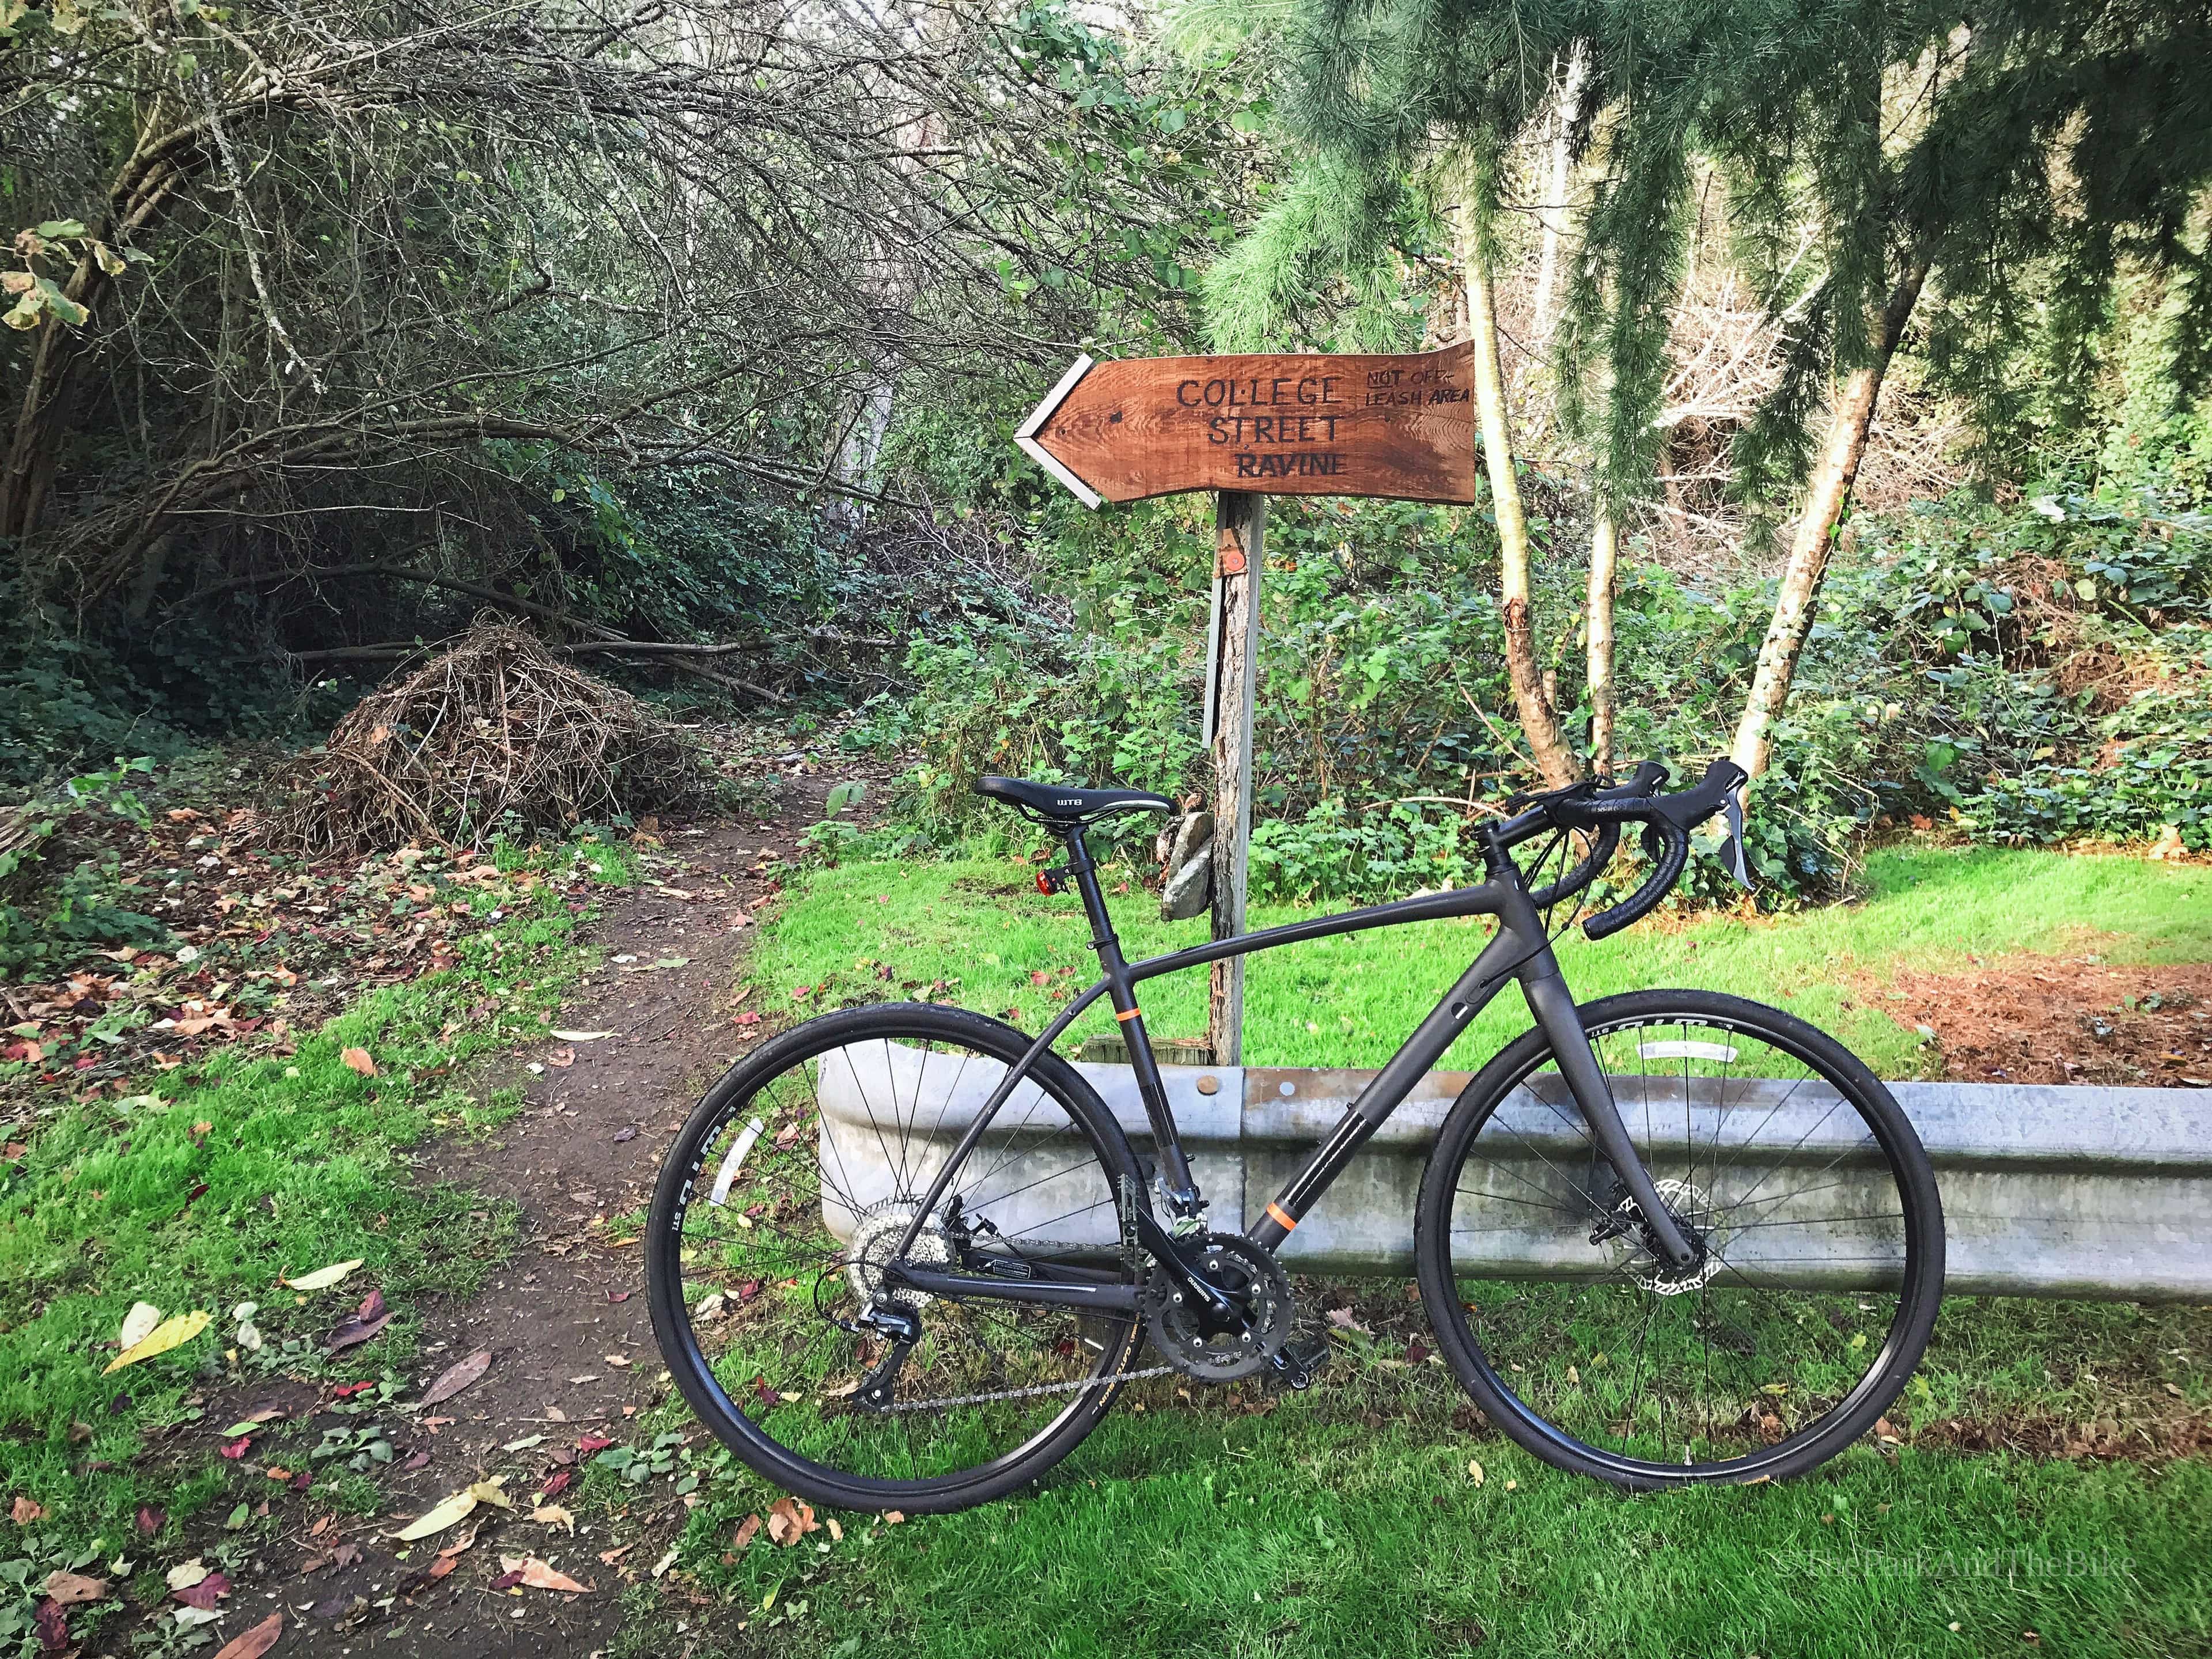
(904, 1257)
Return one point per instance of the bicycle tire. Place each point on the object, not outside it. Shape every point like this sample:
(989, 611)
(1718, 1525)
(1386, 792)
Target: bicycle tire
(1549, 1327)
(676, 1260)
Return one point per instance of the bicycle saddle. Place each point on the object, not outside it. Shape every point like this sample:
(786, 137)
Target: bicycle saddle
(1060, 802)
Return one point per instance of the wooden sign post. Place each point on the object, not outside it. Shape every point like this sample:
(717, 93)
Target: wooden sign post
(1247, 428)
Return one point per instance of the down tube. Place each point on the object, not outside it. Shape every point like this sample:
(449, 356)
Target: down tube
(1428, 1044)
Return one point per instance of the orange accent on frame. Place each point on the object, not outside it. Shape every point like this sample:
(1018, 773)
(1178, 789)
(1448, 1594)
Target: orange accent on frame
(1131, 1014)
(1281, 1217)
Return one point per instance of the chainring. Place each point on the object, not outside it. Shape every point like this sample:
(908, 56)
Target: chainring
(1200, 1346)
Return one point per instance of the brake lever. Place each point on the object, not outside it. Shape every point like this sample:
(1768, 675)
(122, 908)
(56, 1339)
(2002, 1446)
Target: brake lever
(1733, 863)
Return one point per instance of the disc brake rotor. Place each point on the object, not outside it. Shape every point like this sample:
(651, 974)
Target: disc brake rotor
(1637, 1257)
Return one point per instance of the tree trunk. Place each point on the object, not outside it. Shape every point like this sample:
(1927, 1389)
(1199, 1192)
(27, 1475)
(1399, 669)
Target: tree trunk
(1825, 496)
(1554, 214)
(1604, 558)
(1538, 722)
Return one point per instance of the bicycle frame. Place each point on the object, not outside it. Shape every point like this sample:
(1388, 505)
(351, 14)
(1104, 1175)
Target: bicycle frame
(1519, 950)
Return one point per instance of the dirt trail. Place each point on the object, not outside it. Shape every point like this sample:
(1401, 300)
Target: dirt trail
(565, 1319)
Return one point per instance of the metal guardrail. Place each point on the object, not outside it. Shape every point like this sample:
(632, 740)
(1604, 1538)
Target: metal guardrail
(2105, 1193)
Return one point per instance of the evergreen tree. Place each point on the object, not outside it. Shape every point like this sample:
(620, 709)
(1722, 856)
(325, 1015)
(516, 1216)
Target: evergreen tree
(1927, 146)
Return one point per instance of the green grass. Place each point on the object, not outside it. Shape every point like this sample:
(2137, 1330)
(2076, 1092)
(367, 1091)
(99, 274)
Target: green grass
(984, 930)
(199, 1193)
(1356, 1542)
(1345, 1521)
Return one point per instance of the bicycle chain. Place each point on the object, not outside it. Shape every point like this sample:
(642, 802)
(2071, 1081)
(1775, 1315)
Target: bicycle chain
(1024, 1393)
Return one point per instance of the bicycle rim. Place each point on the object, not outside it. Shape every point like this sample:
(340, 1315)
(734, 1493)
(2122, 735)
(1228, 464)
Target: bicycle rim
(1821, 1226)
(793, 1184)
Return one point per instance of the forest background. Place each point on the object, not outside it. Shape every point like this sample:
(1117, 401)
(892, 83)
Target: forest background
(694, 336)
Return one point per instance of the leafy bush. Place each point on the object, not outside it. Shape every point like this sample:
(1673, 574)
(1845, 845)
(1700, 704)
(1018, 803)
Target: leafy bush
(49, 917)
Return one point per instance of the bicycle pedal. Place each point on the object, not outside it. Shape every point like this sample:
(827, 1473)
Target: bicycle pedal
(1300, 1362)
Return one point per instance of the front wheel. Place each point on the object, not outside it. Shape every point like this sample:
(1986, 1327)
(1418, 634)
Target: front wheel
(1790, 1166)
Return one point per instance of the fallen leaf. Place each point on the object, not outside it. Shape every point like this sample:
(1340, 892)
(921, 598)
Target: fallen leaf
(323, 1277)
(748, 1530)
(368, 1319)
(562, 1058)
(441, 1567)
(456, 1376)
(608, 1558)
(620, 1362)
(236, 1449)
(541, 1575)
(557, 1483)
(663, 1564)
(1474, 1472)
(139, 1324)
(836, 1532)
(459, 1507)
(357, 1060)
(552, 1515)
(487, 1491)
(789, 1521)
(52, 1625)
(23, 1512)
(71, 1588)
(1343, 1319)
(151, 1520)
(894, 1517)
(205, 1594)
(169, 1334)
(582, 1036)
(257, 1641)
(588, 1443)
(185, 1574)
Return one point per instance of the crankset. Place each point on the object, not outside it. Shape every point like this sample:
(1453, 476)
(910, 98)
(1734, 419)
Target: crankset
(1221, 1311)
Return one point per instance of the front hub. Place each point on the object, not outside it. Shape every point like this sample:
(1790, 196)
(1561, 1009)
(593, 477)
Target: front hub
(1636, 1251)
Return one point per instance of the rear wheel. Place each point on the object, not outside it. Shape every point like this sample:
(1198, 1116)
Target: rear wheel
(796, 1180)
(1793, 1167)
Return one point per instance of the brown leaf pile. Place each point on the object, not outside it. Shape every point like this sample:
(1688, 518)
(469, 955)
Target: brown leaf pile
(495, 730)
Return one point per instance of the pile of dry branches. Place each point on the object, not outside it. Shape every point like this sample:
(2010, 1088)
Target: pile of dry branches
(495, 733)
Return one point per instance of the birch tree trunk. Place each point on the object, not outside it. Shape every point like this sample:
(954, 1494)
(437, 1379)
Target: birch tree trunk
(1809, 551)
(1555, 215)
(1538, 722)
(1604, 562)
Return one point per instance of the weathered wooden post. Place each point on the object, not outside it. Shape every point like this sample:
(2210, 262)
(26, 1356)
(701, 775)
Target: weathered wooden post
(1304, 424)
(1240, 528)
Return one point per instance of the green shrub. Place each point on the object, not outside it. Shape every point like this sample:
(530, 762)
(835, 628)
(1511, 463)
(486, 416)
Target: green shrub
(51, 917)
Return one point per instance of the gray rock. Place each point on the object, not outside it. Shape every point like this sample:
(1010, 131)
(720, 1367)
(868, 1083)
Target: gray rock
(1196, 830)
(1189, 888)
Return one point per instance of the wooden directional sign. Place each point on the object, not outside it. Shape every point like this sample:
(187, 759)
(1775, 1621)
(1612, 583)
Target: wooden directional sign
(1282, 425)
